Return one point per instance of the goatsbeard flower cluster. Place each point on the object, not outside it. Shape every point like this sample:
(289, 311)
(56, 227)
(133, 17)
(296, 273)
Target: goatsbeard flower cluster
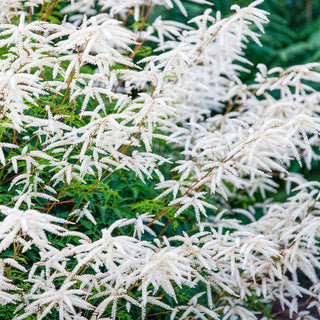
(233, 139)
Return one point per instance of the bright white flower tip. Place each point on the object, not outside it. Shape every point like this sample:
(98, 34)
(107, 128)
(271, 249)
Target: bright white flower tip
(97, 36)
(196, 309)
(178, 3)
(5, 145)
(164, 29)
(123, 6)
(65, 299)
(112, 296)
(19, 86)
(140, 227)
(19, 32)
(31, 223)
(83, 212)
(165, 266)
(79, 5)
(234, 310)
(34, 3)
(9, 9)
(6, 285)
(195, 200)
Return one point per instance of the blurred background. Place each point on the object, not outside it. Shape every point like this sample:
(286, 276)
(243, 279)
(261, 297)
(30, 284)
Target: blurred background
(293, 37)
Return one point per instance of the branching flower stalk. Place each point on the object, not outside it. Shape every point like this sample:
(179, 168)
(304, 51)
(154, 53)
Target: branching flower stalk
(94, 91)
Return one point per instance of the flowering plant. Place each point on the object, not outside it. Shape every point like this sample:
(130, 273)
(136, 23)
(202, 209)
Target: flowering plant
(139, 168)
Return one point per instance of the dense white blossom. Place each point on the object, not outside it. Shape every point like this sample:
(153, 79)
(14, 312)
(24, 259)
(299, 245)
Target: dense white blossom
(228, 139)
